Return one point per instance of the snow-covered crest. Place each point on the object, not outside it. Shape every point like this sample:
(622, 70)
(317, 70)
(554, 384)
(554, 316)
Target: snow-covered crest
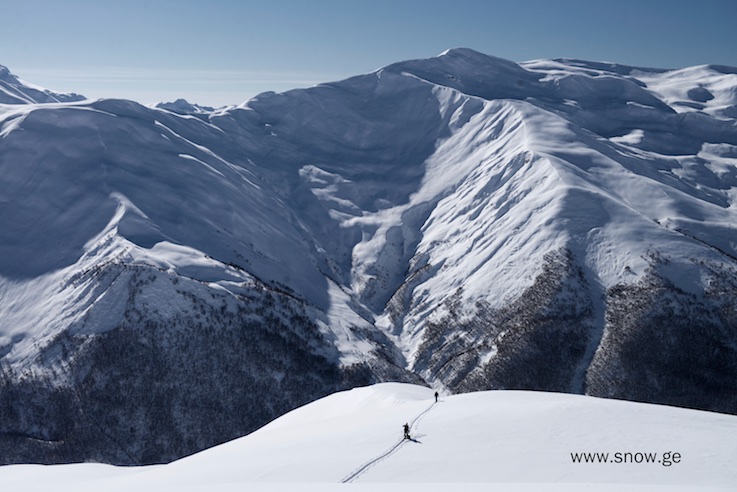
(514, 440)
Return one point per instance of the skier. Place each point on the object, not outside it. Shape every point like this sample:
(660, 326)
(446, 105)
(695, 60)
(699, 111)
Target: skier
(436, 397)
(406, 431)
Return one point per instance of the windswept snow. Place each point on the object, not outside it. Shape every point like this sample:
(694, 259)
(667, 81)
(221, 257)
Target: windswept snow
(507, 440)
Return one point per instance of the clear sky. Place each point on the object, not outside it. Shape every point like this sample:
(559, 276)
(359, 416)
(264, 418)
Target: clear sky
(219, 52)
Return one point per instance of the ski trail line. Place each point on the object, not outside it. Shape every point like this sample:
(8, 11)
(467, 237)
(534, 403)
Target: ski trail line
(361, 469)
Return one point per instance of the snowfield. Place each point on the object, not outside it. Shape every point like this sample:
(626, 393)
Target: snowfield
(504, 440)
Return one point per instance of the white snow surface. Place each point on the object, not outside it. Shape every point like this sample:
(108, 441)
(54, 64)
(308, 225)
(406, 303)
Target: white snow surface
(411, 182)
(497, 440)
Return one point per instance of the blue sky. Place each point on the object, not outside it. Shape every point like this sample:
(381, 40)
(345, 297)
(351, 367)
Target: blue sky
(220, 52)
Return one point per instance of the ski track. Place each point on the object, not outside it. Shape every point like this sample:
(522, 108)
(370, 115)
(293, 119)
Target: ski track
(369, 464)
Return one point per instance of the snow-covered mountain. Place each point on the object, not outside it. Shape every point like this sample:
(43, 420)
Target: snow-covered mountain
(182, 106)
(16, 91)
(170, 281)
(505, 440)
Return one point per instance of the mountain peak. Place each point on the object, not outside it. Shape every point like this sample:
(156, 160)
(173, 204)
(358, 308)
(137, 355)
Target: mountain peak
(473, 73)
(469, 55)
(182, 106)
(465, 53)
(15, 91)
(7, 76)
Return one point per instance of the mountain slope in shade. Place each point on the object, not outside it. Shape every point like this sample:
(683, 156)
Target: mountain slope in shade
(462, 221)
(508, 440)
(16, 91)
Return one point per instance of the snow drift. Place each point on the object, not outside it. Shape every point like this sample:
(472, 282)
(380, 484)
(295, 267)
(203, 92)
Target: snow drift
(508, 440)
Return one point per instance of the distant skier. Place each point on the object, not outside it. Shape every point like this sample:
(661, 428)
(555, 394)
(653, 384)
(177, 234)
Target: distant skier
(436, 397)
(406, 431)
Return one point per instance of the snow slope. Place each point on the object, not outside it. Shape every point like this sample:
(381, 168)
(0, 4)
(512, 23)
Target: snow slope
(508, 440)
(464, 220)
